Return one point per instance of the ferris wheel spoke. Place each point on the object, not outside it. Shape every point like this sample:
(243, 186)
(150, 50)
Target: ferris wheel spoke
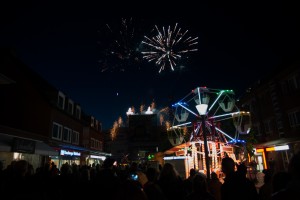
(212, 105)
(224, 133)
(223, 115)
(180, 125)
(188, 109)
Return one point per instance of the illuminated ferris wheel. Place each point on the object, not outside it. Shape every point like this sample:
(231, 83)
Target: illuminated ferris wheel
(223, 120)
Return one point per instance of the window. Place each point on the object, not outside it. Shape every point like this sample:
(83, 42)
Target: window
(67, 135)
(56, 131)
(294, 118)
(70, 106)
(100, 146)
(75, 137)
(297, 80)
(97, 144)
(290, 85)
(253, 108)
(256, 129)
(284, 87)
(293, 83)
(78, 112)
(61, 100)
(268, 127)
(93, 143)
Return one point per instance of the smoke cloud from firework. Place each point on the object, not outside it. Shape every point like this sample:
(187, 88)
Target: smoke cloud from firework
(119, 46)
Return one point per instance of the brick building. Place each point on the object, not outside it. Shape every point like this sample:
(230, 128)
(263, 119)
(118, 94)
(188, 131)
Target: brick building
(274, 104)
(40, 123)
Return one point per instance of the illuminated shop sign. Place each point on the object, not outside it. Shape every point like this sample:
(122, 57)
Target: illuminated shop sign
(176, 157)
(276, 148)
(98, 157)
(69, 153)
(259, 150)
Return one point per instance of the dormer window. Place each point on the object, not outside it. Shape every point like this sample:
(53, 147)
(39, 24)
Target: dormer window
(70, 106)
(61, 100)
(100, 126)
(92, 121)
(96, 124)
(78, 112)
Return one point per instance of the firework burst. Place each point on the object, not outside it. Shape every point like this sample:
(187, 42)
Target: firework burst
(167, 47)
(119, 46)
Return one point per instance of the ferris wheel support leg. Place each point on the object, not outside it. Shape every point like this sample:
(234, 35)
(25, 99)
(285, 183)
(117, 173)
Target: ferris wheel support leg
(205, 149)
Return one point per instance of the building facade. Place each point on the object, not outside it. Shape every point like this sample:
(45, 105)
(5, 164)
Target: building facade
(38, 122)
(274, 104)
(139, 139)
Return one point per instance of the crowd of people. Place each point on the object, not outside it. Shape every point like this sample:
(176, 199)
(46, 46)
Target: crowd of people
(108, 181)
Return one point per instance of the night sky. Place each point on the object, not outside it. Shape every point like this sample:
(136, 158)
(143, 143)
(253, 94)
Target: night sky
(68, 44)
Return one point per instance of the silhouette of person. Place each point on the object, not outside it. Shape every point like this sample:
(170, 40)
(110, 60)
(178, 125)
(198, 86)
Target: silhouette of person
(236, 185)
(292, 189)
(200, 188)
(214, 186)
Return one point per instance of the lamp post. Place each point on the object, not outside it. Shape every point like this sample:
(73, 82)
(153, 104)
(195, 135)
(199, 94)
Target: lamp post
(202, 108)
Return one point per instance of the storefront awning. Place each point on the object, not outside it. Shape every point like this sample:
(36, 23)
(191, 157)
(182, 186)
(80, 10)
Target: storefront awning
(99, 153)
(41, 148)
(281, 141)
(4, 146)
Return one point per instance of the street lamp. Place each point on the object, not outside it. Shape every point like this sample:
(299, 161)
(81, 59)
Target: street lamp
(202, 110)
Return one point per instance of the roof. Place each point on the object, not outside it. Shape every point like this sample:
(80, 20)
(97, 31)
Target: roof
(177, 148)
(5, 80)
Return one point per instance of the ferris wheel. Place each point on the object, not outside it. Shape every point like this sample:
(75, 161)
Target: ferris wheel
(223, 120)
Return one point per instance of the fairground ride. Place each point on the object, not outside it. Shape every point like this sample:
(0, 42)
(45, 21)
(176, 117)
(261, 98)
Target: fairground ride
(216, 129)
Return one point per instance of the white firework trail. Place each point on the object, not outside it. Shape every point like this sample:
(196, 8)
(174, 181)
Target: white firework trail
(168, 46)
